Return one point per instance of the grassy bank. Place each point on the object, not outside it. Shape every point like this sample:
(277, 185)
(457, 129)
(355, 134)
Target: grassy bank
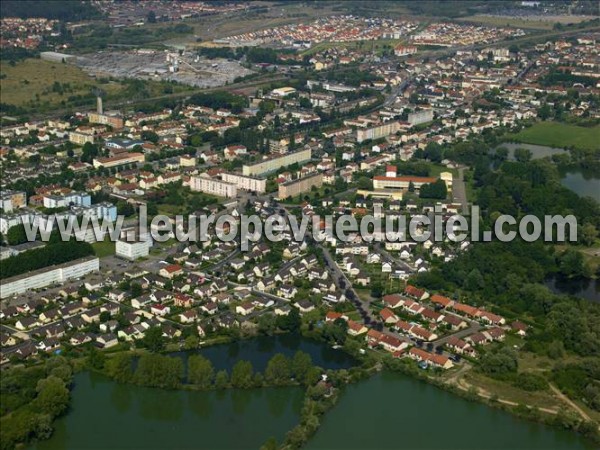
(556, 134)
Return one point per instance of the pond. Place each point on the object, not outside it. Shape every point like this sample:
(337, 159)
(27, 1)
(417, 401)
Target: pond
(108, 415)
(537, 151)
(583, 183)
(392, 411)
(261, 349)
(587, 288)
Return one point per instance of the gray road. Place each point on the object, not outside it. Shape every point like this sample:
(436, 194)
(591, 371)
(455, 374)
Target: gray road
(459, 190)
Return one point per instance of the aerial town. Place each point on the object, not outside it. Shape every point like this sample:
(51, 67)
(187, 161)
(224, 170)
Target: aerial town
(127, 112)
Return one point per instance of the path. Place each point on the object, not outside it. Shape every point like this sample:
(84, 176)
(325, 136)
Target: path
(459, 191)
(457, 380)
(464, 386)
(570, 402)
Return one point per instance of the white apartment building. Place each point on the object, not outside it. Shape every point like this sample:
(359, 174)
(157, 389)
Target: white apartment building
(48, 275)
(246, 183)
(73, 198)
(10, 200)
(272, 164)
(133, 250)
(378, 131)
(204, 183)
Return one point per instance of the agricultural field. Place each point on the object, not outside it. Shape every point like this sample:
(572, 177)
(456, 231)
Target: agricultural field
(33, 79)
(43, 85)
(556, 134)
(535, 23)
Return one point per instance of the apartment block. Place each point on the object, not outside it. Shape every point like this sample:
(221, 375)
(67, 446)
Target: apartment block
(378, 131)
(275, 163)
(419, 117)
(246, 183)
(11, 200)
(299, 186)
(382, 182)
(49, 275)
(204, 183)
(127, 158)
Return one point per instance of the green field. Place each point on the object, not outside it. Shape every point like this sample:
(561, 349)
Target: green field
(43, 86)
(103, 249)
(533, 22)
(561, 135)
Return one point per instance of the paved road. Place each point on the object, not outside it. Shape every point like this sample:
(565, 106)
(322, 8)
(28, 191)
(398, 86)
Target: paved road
(391, 97)
(459, 190)
(473, 327)
(389, 257)
(362, 305)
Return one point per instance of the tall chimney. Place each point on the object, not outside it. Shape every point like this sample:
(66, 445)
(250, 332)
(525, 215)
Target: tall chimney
(99, 105)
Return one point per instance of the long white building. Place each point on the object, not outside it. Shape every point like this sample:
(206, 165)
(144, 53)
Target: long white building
(246, 183)
(272, 164)
(204, 183)
(48, 275)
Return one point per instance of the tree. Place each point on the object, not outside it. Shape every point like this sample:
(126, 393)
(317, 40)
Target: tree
(435, 190)
(291, 322)
(96, 359)
(200, 371)
(500, 362)
(336, 331)
(151, 136)
(125, 209)
(545, 112)
(364, 183)
(53, 396)
(62, 371)
(16, 235)
(523, 155)
(151, 17)
(135, 289)
(571, 263)
(270, 444)
(221, 380)
(531, 382)
(301, 364)
(305, 102)
(242, 374)
(159, 371)
(153, 340)
(191, 342)
(588, 234)
(120, 367)
(267, 324)
(278, 369)
(434, 152)
(556, 349)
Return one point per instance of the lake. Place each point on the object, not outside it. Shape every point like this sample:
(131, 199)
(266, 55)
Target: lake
(392, 411)
(261, 349)
(386, 411)
(584, 184)
(107, 415)
(586, 288)
(537, 151)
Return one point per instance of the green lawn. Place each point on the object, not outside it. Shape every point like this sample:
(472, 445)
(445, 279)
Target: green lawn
(102, 249)
(556, 134)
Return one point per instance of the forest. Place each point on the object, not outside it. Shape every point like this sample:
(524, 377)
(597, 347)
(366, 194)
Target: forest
(50, 255)
(66, 10)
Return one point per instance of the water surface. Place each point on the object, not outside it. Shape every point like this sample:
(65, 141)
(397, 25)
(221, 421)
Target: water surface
(391, 411)
(106, 415)
(261, 349)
